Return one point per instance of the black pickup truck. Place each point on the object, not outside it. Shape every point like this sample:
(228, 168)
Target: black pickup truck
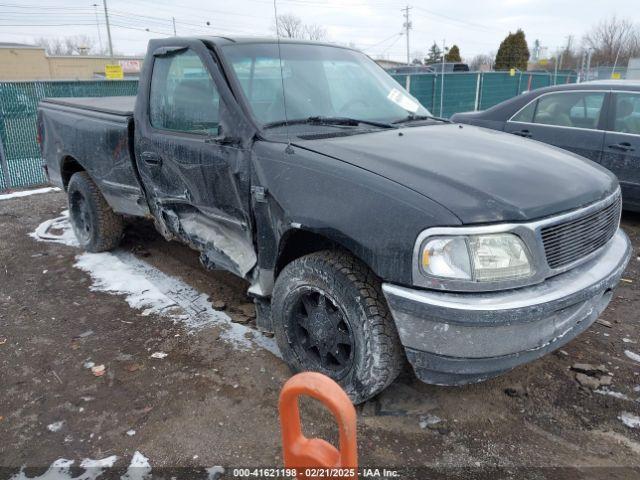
(369, 231)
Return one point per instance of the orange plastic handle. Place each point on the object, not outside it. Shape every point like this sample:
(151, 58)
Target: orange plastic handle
(303, 453)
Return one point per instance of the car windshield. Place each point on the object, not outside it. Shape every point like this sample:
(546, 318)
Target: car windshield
(319, 81)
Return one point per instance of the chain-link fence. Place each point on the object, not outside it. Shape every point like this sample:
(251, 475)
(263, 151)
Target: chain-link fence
(21, 164)
(443, 95)
(455, 92)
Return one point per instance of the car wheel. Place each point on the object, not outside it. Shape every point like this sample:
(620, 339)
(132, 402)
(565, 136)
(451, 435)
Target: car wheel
(330, 316)
(96, 226)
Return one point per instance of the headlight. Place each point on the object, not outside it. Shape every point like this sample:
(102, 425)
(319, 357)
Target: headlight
(476, 258)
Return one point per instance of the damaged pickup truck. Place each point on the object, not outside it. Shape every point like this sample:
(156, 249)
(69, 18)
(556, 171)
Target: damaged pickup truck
(369, 231)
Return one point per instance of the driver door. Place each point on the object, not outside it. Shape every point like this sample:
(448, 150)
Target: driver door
(193, 167)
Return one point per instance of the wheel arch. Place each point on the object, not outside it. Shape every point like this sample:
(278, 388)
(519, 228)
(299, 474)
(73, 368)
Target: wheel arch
(298, 242)
(68, 166)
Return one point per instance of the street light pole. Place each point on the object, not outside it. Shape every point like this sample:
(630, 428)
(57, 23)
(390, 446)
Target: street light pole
(106, 18)
(174, 26)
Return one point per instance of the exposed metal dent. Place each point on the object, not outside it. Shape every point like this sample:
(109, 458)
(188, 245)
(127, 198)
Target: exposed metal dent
(220, 246)
(262, 286)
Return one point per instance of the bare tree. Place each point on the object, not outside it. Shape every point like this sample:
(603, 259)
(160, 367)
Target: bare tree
(481, 62)
(290, 26)
(76, 45)
(314, 32)
(613, 39)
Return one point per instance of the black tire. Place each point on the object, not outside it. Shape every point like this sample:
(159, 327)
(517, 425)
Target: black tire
(354, 307)
(96, 226)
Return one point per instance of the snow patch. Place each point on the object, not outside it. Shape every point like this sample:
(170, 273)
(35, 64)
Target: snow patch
(148, 289)
(632, 355)
(26, 193)
(103, 463)
(139, 468)
(612, 393)
(57, 230)
(60, 470)
(629, 419)
(55, 426)
(214, 473)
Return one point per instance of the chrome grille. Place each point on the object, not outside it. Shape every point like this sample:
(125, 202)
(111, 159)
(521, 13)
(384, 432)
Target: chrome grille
(567, 242)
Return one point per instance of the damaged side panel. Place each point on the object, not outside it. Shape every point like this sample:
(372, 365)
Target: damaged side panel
(192, 159)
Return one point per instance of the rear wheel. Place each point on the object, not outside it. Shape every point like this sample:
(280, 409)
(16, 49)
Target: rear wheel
(96, 226)
(329, 316)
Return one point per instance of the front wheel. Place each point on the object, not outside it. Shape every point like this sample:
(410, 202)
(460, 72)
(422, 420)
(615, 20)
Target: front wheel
(330, 316)
(96, 226)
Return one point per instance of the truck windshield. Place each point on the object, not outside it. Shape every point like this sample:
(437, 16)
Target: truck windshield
(319, 82)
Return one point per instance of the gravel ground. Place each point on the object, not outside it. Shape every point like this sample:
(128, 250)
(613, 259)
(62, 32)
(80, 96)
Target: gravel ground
(212, 400)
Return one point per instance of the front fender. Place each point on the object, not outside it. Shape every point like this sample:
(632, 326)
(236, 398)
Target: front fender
(378, 220)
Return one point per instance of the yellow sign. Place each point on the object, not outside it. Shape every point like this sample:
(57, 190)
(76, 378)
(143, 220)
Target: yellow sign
(616, 76)
(543, 61)
(512, 72)
(113, 72)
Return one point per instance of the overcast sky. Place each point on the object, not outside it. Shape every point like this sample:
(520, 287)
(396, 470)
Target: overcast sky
(374, 26)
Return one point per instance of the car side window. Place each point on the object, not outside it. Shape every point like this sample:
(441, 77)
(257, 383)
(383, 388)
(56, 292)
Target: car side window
(570, 109)
(183, 95)
(526, 114)
(627, 113)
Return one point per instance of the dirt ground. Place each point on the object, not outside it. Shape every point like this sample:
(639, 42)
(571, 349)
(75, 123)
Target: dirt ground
(209, 403)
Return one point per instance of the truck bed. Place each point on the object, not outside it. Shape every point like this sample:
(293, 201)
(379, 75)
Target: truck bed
(95, 135)
(122, 106)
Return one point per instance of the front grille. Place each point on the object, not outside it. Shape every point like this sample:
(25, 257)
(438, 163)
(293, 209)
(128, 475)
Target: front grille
(567, 242)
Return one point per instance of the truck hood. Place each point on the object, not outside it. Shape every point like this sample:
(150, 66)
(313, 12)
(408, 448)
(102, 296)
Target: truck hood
(478, 174)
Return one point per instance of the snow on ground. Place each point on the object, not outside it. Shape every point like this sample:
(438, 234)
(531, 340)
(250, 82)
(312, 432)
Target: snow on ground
(57, 230)
(613, 393)
(26, 193)
(61, 470)
(632, 355)
(630, 420)
(139, 469)
(148, 289)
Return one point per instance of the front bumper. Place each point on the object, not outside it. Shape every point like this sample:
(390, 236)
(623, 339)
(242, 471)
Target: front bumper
(458, 338)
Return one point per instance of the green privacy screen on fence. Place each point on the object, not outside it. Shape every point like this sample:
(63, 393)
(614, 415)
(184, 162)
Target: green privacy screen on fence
(18, 106)
(463, 91)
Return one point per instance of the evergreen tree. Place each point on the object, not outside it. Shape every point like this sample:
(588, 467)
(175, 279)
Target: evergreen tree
(513, 52)
(434, 55)
(453, 55)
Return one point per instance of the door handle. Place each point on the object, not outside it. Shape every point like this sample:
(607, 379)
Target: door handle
(622, 146)
(523, 133)
(151, 158)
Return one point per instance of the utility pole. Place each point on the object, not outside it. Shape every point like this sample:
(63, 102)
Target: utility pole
(444, 52)
(106, 18)
(95, 9)
(174, 26)
(407, 27)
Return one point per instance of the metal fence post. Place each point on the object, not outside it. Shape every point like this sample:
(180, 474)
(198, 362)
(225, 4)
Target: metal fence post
(3, 161)
(476, 105)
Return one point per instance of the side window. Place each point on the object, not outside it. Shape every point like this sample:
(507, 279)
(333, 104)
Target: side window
(627, 113)
(526, 114)
(570, 109)
(183, 95)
